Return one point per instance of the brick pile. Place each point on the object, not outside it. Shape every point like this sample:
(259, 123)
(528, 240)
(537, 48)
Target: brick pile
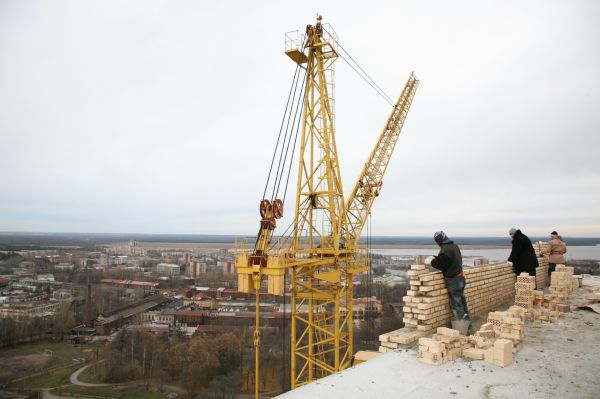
(561, 283)
(483, 338)
(524, 288)
(540, 248)
(541, 272)
(446, 345)
(546, 314)
(509, 324)
(501, 353)
(394, 339)
(495, 341)
(545, 308)
(426, 303)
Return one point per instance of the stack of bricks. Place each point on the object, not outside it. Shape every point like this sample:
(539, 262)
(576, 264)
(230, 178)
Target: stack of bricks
(545, 308)
(562, 308)
(479, 342)
(524, 288)
(494, 342)
(541, 248)
(474, 353)
(561, 283)
(497, 339)
(394, 339)
(431, 351)
(538, 298)
(484, 337)
(426, 303)
(445, 345)
(501, 353)
(541, 272)
(509, 324)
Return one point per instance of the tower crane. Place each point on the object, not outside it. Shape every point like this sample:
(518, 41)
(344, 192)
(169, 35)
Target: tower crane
(323, 251)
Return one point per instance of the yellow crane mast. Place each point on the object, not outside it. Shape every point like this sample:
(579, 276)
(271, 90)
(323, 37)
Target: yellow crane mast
(323, 252)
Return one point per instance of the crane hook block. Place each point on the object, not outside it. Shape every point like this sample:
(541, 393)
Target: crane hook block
(264, 207)
(278, 209)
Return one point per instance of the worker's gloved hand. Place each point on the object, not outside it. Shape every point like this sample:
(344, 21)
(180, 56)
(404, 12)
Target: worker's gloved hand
(429, 259)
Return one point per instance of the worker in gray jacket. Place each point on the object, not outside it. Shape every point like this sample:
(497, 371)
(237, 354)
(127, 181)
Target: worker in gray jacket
(449, 261)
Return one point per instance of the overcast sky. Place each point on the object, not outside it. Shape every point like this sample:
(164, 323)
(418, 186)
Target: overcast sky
(161, 116)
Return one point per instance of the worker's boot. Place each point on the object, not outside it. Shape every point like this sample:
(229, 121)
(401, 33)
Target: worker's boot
(468, 317)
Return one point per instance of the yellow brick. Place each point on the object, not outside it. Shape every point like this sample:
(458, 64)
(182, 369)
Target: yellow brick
(474, 353)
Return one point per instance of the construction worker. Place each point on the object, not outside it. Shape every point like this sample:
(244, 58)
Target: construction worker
(449, 262)
(557, 250)
(522, 254)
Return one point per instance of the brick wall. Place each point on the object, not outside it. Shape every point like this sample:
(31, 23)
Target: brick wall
(426, 305)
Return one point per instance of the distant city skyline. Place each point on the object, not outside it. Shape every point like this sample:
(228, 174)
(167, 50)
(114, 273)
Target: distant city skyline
(161, 117)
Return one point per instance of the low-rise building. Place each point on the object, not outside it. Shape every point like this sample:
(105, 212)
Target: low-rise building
(45, 277)
(29, 309)
(166, 316)
(168, 269)
(63, 266)
(109, 321)
(364, 306)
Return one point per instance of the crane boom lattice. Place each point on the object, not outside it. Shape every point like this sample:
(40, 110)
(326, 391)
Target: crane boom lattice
(369, 183)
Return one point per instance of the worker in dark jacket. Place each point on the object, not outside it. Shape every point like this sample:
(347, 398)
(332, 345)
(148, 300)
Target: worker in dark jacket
(522, 255)
(449, 261)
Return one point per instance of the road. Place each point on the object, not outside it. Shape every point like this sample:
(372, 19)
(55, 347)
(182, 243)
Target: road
(75, 378)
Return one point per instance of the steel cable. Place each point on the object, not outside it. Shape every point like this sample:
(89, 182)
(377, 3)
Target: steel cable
(288, 133)
(294, 83)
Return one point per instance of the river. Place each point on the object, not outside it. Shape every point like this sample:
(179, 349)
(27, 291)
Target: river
(589, 252)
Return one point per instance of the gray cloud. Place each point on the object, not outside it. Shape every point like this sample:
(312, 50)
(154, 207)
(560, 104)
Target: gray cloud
(160, 117)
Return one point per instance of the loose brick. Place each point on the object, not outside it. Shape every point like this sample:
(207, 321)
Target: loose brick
(474, 353)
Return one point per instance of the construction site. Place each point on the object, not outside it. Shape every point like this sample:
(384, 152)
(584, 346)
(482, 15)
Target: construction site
(290, 311)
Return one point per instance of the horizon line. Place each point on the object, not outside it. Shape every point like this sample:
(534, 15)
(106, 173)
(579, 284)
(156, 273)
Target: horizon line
(251, 235)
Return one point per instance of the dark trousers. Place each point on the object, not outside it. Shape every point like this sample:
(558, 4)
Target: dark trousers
(456, 294)
(551, 268)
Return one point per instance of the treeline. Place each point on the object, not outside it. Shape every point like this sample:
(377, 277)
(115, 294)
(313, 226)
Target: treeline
(200, 365)
(585, 266)
(14, 330)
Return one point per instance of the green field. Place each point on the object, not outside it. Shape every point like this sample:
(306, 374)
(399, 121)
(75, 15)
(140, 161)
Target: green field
(54, 379)
(28, 360)
(113, 392)
(61, 348)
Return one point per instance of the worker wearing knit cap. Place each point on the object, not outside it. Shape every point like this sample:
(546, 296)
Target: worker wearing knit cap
(449, 261)
(556, 251)
(522, 254)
